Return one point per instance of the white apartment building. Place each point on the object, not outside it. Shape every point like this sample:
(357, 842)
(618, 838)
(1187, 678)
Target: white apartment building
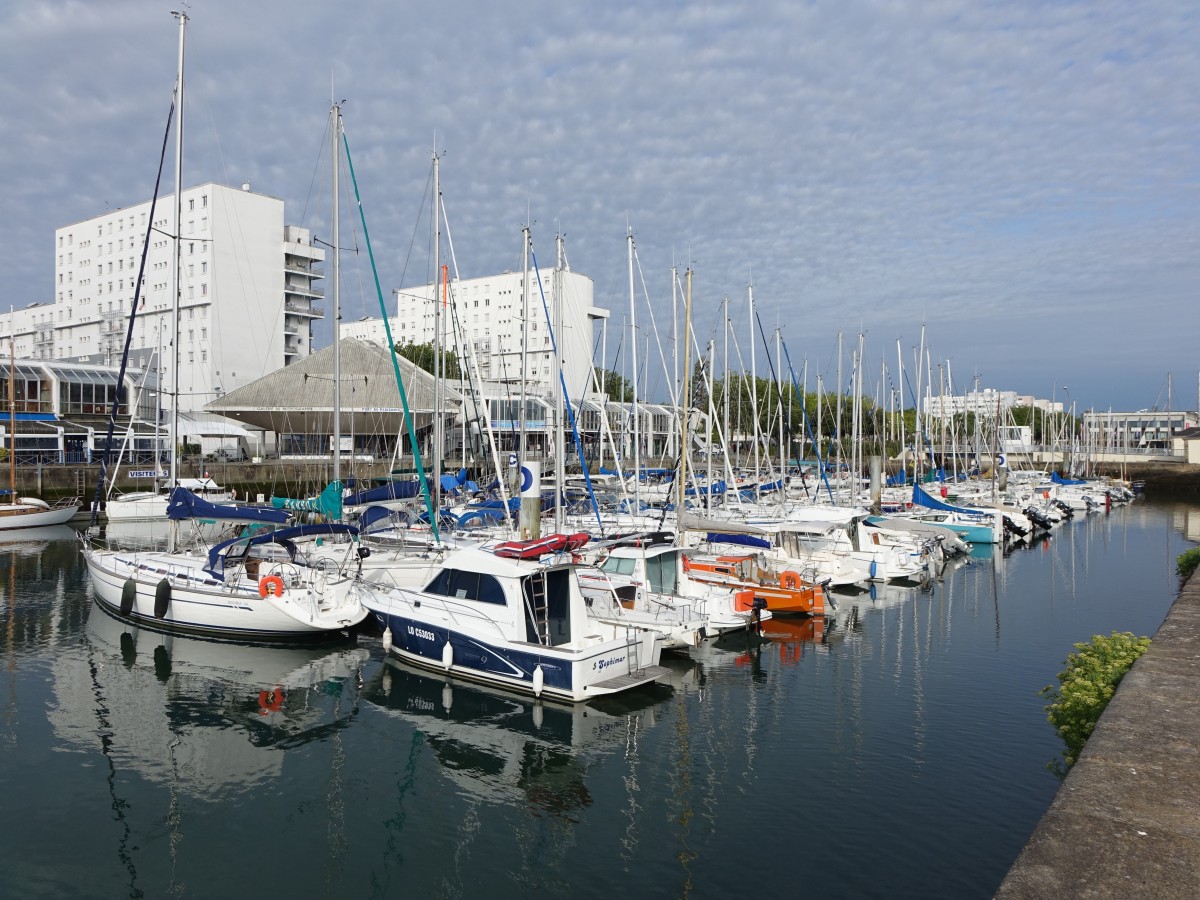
(983, 404)
(490, 316)
(246, 292)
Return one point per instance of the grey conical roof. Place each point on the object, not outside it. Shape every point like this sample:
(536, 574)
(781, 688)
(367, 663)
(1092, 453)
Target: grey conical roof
(299, 398)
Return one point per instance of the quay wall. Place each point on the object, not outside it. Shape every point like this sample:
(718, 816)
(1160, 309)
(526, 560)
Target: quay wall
(1126, 820)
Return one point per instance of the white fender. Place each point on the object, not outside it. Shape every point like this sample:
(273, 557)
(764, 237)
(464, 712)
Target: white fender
(387, 639)
(539, 680)
(447, 656)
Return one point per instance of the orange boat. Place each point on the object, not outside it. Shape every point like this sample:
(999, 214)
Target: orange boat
(785, 592)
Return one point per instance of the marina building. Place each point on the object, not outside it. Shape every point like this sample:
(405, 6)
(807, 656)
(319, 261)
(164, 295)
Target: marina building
(984, 404)
(248, 292)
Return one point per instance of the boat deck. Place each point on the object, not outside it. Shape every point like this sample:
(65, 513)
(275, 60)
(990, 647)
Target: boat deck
(642, 676)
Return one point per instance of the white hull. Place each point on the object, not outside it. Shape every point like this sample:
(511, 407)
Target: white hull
(27, 513)
(312, 604)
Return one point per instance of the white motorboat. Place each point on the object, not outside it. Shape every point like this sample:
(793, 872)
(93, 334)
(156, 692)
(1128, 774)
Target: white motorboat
(516, 623)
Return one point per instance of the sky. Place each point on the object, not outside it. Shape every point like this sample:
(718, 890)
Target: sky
(1019, 181)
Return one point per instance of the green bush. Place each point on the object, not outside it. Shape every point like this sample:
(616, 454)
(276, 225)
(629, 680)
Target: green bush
(1084, 688)
(1186, 562)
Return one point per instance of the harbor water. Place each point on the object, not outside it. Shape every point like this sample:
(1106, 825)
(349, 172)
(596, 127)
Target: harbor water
(899, 749)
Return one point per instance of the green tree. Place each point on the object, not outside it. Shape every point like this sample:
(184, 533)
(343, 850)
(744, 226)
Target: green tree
(619, 389)
(422, 356)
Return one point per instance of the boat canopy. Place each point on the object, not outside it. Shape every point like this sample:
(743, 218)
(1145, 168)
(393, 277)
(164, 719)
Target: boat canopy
(183, 504)
(285, 537)
(924, 498)
(1055, 478)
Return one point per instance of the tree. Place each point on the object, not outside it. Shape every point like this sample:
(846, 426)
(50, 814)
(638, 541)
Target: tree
(422, 356)
(619, 390)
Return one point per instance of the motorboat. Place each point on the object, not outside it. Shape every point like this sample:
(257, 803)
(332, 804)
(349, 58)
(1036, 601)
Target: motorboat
(520, 624)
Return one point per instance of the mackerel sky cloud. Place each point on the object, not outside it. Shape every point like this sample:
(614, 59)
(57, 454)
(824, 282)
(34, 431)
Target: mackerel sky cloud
(1023, 178)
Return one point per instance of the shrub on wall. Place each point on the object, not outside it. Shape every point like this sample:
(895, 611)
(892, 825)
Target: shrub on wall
(1084, 688)
(1186, 562)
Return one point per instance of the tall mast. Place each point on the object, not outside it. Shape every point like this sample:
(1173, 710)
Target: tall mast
(637, 431)
(528, 239)
(12, 408)
(182, 18)
(754, 395)
(686, 396)
(561, 401)
(438, 328)
(335, 128)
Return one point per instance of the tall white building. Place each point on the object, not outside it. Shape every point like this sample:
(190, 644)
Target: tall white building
(246, 292)
(490, 316)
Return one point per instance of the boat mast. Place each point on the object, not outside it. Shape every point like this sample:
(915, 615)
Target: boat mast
(335, 128)
(438, 327)
(686, 397)
(637, 431)
(561, 400)
(12, 408)
(182, 18)
(754, 396)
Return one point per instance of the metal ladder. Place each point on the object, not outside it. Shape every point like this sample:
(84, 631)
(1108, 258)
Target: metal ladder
(539, 606)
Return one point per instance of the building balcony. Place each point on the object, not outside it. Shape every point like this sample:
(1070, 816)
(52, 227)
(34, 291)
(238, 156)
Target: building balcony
(293, 267)
(303, 291)
(303, 309)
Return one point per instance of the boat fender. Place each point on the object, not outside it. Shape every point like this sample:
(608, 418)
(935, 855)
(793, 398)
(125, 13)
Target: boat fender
(539, 680)
(874, 569)
(128, 596)
(270, 701)
(789, 581)
(387, 639)
(162, 599)
(447, 656)
(270, 584)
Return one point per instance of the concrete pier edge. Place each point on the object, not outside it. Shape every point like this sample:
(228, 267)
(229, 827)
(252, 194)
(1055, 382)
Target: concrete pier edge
(1126, 820)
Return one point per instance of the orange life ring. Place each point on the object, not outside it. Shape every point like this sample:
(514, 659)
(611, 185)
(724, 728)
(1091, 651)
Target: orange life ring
(789, 580)
(270, 701)
(267, 583)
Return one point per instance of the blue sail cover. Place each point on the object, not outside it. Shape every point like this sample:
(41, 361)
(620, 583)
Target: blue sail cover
(923, 498)
(742, 540)
(183, 504)
(285, 537)
(1058, 479)
(393, 490)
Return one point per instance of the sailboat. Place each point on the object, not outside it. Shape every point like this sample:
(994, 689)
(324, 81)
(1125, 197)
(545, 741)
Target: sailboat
(257, 585)
(26, 512)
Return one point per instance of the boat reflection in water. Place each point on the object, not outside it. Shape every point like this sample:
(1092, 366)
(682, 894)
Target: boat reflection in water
(199, 714)
(506, 748)
(31, 541)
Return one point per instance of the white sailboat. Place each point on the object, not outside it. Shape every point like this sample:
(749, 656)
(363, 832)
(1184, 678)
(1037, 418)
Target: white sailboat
(26, 512)
(260, 587)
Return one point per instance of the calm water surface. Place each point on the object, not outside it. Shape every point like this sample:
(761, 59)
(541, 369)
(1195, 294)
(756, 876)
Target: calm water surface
(898, 751)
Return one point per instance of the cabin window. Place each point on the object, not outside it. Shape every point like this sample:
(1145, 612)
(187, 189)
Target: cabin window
(618, 565)
(661, 572)
(478, 586)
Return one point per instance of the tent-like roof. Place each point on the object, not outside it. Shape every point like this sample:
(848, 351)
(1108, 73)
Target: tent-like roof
(298, 399)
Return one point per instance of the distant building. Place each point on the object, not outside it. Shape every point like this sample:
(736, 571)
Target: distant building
(246, 294)
(984, 404)
(1142, 430)
(487, 319)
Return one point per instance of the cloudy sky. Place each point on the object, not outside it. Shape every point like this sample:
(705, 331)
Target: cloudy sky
(1021, 177)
